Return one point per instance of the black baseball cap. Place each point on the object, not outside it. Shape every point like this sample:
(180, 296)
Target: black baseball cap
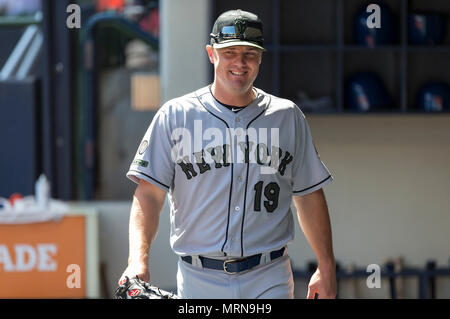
(237, 27)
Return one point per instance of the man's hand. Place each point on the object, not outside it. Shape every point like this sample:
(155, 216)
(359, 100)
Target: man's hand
(133, 270)
(323, 283)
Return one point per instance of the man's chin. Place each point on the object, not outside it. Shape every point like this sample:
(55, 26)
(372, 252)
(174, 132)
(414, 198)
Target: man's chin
(241, 88)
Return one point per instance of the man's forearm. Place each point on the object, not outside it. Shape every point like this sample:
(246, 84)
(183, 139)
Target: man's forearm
(314, 220)
(143, 227)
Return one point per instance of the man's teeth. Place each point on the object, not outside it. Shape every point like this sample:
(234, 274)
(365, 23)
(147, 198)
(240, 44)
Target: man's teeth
(237, 73)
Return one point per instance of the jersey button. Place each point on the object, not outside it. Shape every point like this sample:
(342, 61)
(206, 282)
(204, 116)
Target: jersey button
(240, 178)
(238, 119)
(236, 208)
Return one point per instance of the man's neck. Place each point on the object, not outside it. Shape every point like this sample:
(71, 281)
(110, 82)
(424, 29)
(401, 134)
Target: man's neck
(239, 100)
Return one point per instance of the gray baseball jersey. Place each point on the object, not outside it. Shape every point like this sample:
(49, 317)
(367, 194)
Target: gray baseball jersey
(230, 176)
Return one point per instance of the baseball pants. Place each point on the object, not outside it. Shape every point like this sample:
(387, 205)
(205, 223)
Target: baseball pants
(273, 280)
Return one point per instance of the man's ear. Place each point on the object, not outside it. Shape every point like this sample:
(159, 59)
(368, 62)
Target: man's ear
(209, 50)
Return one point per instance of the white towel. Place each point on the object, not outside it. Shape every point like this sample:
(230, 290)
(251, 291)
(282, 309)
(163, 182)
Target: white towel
(26, 211)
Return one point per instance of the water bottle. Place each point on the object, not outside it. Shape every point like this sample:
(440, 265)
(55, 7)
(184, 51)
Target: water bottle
(42, 191)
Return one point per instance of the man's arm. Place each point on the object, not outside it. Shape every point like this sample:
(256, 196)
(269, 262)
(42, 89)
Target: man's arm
(148, 201)
(314, 220)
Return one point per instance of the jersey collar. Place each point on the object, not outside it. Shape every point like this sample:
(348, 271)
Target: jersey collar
(258, 105)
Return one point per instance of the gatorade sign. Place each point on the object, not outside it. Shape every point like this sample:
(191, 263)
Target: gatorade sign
(36, 260)
(26, 257)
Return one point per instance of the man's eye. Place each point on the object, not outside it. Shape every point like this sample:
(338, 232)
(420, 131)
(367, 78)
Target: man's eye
(251, 54)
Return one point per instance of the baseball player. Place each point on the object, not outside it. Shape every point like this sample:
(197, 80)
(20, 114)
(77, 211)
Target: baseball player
(231, 158)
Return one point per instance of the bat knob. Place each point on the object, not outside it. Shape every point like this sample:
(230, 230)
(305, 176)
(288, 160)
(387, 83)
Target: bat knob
(431, 264)
(390, 266)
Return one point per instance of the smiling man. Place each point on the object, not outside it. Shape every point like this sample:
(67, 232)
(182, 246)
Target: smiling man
(231, 218)
(235, 69)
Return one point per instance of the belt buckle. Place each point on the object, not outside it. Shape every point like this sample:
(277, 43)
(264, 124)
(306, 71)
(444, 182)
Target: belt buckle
(225, 266)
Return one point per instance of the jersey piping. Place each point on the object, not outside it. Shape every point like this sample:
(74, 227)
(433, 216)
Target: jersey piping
(305, 189)
(153, 179)
(246, 181)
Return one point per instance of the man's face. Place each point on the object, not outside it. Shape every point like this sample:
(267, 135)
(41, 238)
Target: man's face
(236, 67)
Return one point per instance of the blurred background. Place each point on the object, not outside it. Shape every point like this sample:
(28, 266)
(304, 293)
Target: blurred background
(80, 82)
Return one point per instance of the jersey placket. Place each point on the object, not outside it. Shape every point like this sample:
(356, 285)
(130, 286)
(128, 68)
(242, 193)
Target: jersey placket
(239, 197)
(233, 246)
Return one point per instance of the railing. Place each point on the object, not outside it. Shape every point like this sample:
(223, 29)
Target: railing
(17, 21)
(426, 277)
(26, 51)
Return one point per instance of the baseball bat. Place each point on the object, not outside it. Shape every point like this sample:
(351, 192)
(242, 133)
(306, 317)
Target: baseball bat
(399, 281)
(431, 266)
(391, 276)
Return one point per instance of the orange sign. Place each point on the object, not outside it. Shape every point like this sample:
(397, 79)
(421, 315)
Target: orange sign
(43, 260)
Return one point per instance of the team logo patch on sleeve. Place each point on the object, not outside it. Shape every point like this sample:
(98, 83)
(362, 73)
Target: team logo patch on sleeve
(139, 162)
(143, 147)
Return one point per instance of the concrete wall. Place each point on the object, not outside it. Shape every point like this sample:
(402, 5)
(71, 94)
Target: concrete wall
(391, 189)
(390, 194)
(184, 34)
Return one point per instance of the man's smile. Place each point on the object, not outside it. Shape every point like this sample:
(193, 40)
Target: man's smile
(236, 73)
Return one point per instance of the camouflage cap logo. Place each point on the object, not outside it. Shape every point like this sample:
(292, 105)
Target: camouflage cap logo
(240, 25)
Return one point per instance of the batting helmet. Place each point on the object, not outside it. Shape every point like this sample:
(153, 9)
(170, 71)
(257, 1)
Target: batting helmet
(425, 28)
(434, 97)
(366, 92)
(371, 37)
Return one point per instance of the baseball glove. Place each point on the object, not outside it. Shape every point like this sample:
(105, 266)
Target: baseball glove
(136, 288)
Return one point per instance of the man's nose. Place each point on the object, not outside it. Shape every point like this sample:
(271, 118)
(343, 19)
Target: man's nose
(240, 59)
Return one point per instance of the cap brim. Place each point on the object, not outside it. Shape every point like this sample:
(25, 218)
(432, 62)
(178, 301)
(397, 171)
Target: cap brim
(231, 43)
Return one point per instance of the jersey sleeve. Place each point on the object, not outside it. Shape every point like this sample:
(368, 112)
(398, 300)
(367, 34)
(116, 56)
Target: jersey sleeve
(309, 172)
(153, 161)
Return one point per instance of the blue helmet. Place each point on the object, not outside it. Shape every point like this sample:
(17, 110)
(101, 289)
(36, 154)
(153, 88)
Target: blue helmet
(434, 97)
(425, 28)
(365, 92)
(373, 37)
